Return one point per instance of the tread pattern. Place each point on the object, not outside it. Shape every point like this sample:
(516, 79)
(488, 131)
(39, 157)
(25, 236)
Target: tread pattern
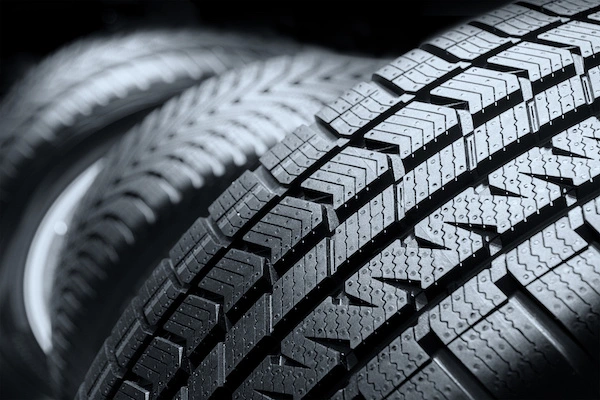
(467, 42)
(160, 180)
(416, 288)
(51, 107)
(415, 70)
(516, 20)
(541, 62)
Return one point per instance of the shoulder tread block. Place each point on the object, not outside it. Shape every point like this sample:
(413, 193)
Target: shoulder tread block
(467, 42)
(415, 70)
(516, 20)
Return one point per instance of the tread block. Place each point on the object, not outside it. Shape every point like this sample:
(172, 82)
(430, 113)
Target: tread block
(362, 227)
(480, 88)
(104, 376)
(129, 341)
(559, 100)
(314, 344)
(495, 136)
(390, 368)
(415, 127)
(465, 306)
(195, 262)
(430, 382)
(272, 380)
(415, 70)
(182, 394)
(348, 174)
(296, 153)
(246, 334)
(132, 391)
(594, 78)
(365, 102)
(190, 239)
(286, 225)
(591, 214)
(158, 363)
(457, 244)
(431, 176)
(414, 265)
(246, 196)
(467, 42)
(194, 320)
(516, 20)
(541, 61)
(504, 351)
(234, 276)
(299, 282)
(540, 254)
(159, 302)
(569, 293)
(210, 374)
(584, 35)
(564, 7)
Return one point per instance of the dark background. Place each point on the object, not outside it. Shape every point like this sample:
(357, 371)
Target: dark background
(31, 29)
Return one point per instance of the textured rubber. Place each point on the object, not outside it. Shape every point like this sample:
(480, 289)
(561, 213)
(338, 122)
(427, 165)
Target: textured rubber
(74, 104)
(96, 81)
(165, 175)
(435, 234)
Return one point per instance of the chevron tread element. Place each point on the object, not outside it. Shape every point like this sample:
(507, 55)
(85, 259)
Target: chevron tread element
(165, 175)
(457, 257)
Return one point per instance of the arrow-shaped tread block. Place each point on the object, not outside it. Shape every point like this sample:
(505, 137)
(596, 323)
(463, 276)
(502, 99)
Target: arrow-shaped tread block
(158, 364)
(481, 89)
(297, 152)
(347, 115)
(286, 225)
(348, 174)
(396, 362)
(194, 320)
(329, 332)
(540, 61)
(416, 128)
(583, 35)
(235, 276)
(246, 196)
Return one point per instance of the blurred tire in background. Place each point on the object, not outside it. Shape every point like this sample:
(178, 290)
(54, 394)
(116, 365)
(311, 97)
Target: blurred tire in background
(55, 124)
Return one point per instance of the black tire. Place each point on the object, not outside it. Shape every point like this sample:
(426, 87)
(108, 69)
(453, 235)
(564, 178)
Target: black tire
(165, 175)
(434, 234)
(96, 81)
(61, 118)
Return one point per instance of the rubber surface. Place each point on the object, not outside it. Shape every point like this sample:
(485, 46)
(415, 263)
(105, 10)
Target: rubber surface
(99, 80)
(166, 174)
(63, 115)
(434, 234)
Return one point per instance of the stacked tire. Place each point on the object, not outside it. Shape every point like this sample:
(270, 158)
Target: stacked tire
(321, 225)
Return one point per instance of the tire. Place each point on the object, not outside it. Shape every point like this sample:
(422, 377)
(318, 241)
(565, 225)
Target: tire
(165, 175)
(96, 81)
(56, 123)
(434, 234)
